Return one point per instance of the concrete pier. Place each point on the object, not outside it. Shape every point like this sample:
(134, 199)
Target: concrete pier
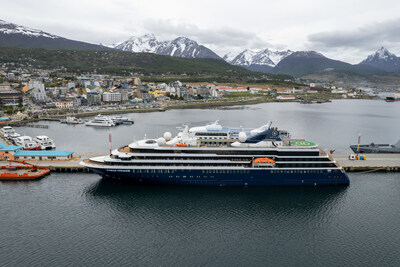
(374, 162)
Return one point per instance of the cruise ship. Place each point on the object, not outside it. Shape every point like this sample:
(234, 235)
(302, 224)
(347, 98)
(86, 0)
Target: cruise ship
(213, 155)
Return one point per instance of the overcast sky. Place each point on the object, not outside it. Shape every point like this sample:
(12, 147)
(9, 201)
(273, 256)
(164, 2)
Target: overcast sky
(345, 30)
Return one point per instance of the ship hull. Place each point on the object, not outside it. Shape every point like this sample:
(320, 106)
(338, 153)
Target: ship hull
(253, 177)
(383, 149)
(391, 99)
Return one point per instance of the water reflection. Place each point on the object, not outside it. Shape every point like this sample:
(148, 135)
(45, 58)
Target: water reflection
(263, 200)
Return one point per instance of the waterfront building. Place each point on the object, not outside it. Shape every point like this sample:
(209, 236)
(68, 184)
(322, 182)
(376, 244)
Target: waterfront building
(7, 152)
(284, 91)
(43, 155)
(93, 99)
(286, 97)
(111, 97)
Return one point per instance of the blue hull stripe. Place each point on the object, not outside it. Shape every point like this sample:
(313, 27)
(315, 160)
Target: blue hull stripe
(252, 177)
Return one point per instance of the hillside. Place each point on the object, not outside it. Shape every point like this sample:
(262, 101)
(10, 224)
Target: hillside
(118, 62)
(383, 60)
(310, 62)
(12, 35)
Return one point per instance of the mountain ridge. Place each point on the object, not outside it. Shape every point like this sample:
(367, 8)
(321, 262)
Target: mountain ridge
(384, 60)
(178, 47)
(13, 35)
(263, 60)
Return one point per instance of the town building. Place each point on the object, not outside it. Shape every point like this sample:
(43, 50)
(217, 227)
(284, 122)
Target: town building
(43, 155)
(286, 97)
(93, 99)
(7, 152)
(111, 97)
(64, 104)
(37, 90)
(11, 97)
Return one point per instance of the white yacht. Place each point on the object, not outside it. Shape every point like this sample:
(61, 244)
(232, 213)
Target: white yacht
(12, 137)
(100, 120)
(122, 120)
(44, 142)
(73, 120)
(27, 143)
(7, 131)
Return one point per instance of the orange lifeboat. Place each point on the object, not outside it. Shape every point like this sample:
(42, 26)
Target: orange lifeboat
(181, 145)
(263, 162)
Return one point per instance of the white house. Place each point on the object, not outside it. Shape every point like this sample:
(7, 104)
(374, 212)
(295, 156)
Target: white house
(286, 97)
(64, 104)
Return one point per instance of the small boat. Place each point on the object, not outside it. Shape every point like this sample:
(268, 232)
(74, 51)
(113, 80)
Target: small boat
(25, 171)
(122, 120)
(102, 121)
(394, 98)
(27, 143)
(7, 131)
(44, 142)
(72, 120)
(12, 137)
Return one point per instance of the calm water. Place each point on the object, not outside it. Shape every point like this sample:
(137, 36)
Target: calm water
(332, 125)
(80, 219)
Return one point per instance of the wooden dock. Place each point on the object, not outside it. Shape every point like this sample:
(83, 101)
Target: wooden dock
(374, 162)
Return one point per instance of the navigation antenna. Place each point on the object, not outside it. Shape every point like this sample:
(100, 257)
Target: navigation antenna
(358, 143)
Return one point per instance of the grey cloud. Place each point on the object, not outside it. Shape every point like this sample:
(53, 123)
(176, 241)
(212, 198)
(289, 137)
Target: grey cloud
(370, 36)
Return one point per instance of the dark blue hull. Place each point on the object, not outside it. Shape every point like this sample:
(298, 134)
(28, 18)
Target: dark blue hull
(252, 177)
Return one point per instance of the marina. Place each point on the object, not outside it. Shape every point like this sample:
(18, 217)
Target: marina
(96, 138)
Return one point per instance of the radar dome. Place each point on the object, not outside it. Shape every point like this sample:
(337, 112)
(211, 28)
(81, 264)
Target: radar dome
(242, 137)
(167, 136)
(161, 141)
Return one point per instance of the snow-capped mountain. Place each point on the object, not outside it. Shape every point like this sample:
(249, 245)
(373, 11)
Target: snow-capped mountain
(263, 60)
(146, 43)
(14, 35)
(179, 47)
(384, 60)
(244, 58)
(229, 57)
(11, 28)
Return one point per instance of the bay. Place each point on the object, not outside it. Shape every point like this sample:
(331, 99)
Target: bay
(82, 220)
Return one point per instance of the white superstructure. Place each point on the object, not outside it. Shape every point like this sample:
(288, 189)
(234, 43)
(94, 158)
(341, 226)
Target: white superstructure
(44, 142)
(26, 142)
(102, 121)
(6, 131)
